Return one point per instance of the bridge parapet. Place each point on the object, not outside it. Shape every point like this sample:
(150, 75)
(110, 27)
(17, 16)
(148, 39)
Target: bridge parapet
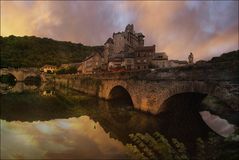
(206, 71)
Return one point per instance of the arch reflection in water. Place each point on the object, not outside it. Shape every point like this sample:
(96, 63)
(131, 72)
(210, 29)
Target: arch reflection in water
(217, 124)
(192, 102)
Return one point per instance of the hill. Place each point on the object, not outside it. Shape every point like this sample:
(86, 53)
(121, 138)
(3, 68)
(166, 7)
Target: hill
(31, 51)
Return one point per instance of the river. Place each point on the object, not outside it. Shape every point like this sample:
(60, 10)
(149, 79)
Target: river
(50, 123)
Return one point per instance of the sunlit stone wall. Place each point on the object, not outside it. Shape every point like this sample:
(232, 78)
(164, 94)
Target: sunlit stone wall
(148, 96)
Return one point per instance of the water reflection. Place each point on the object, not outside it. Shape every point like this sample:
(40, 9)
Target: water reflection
(57, 139)
(17, 87)
(48, 93)
(60, 123)
(217, 124)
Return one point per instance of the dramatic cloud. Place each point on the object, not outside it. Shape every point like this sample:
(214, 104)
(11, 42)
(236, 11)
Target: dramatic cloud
(206, 28)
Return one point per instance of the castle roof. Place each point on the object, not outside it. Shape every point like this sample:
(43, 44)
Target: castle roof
(109, 40)
(140, 35)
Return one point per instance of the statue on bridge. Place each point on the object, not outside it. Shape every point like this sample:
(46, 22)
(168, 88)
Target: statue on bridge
(190, 58)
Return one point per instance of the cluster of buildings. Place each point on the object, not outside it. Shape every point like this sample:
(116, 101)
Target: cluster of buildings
(126, 51)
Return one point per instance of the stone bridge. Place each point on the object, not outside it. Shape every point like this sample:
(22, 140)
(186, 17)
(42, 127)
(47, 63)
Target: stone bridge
(21, 74)
(149, 90)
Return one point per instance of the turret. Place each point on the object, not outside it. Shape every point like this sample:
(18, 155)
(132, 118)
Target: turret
(129, 28)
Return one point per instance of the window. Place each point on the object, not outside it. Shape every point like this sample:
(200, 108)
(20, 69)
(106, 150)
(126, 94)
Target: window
(138, 61)
(145, 60)
(138, 67)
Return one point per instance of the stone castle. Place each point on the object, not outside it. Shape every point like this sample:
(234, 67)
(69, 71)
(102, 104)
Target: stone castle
(126, 51)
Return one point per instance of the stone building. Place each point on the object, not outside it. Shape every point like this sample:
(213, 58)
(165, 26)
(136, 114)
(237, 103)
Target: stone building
(143, 57)
(115, 62)
(160, 60)
(80, 68)
(125, 51)
(129, 61)
(128, 40)
(91, 64)
(48, 68)
(108, 50)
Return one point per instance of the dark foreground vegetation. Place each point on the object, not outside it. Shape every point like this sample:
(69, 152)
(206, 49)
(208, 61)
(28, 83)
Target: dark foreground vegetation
(31, 51)
(156, 146)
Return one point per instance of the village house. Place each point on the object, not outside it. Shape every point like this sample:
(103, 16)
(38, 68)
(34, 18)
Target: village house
(115, 62)
(143, 57)
(160, 60)
(128, 62)
(48, 68)
(91, 64)
(80, 68)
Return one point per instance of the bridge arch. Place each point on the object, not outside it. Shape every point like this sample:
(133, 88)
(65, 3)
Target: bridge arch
(197, 88)
(149, 97)
(184, 101)
(21, 73)
(121, 94)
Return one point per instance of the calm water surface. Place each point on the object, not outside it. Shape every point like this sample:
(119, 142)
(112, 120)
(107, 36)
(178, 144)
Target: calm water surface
(59, 124)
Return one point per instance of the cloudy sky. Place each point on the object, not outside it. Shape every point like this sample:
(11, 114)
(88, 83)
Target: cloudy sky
(206, 28)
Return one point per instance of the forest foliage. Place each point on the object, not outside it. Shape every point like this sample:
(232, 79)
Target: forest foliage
(31, 51)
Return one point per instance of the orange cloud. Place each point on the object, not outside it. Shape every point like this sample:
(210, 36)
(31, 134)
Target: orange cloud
(176, 27)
